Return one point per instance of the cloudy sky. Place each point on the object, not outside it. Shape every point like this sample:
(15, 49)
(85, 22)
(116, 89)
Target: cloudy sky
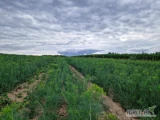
(79, 26)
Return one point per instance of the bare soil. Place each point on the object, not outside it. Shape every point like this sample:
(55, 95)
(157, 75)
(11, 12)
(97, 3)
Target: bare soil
(62, 111)
(21, 91)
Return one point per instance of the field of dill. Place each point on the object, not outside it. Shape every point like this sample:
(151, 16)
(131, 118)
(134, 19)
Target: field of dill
(59, 94)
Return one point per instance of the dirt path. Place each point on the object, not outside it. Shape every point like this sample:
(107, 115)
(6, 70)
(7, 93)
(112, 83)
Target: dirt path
(114, 107)
(78, 74)
(21, 91)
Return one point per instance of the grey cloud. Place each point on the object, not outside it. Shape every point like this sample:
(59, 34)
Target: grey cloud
(56, 25)
(12, 47)
(81, 3)
(139, 50)
(76, 52)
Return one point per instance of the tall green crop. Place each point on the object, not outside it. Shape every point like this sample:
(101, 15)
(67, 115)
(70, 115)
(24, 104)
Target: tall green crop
(135, 84)
(15, 69)
(61, 96)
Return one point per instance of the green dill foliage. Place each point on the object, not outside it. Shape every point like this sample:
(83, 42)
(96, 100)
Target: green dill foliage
(19, 95)
(16, 69)
(61, 96)
(135, 84)
(43, 77)
(30, 81)
(4, 100)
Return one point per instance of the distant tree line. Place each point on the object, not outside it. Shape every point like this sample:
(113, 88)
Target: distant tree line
(140, 56)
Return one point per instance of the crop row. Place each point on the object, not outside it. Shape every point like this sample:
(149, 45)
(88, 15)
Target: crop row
(135, 84)
(61, 96)
(16, 69)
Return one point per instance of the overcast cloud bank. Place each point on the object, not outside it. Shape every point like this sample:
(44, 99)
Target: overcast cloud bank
(59, 26)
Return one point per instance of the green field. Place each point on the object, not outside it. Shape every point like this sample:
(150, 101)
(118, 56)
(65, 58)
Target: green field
(62, 95)
(135, 84)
